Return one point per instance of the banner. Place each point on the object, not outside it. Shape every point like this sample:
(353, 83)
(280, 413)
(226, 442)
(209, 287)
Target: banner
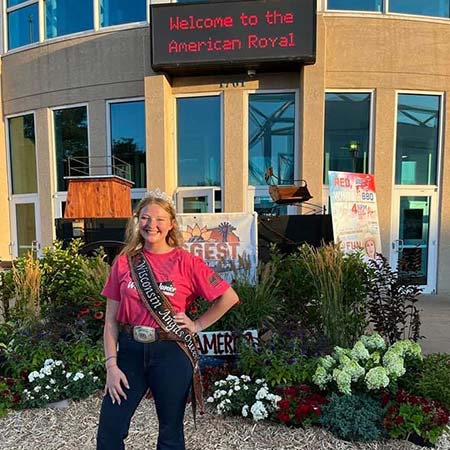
(354, 212)
(222, 343)
(228, 242)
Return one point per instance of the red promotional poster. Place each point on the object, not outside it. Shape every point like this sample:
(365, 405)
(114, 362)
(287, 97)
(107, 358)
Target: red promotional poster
(354, 213)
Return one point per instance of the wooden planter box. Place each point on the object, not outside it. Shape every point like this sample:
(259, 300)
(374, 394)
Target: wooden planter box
(98, 197)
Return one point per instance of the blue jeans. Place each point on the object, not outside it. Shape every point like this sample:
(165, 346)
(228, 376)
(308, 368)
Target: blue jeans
(161, 366)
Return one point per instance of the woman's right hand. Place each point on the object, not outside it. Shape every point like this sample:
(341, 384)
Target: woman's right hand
(115, 382)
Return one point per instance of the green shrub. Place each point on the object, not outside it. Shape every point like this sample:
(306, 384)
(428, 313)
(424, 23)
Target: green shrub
(369, 366)
(430, 378)
(258, 307)
(356, 417)
(278, 361)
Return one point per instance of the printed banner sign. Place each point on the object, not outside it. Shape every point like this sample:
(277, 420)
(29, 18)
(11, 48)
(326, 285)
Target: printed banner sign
(228, 242)
(222, 343)
(354, 212)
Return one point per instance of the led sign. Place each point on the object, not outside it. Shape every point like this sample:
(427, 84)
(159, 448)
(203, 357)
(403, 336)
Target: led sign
(252, 34)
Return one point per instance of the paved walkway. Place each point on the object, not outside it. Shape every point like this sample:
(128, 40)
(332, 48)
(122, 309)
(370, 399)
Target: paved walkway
(435, 318)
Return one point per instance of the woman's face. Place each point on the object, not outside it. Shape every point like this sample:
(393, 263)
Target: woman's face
(370, 248)
(154, 225)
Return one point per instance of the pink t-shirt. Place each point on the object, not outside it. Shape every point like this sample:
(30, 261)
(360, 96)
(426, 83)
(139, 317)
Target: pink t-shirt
(181, 276)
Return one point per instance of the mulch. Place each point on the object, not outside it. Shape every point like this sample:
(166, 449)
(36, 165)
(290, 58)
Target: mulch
(74, 428)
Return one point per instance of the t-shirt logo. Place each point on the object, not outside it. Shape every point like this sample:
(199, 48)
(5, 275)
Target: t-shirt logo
(167, 288)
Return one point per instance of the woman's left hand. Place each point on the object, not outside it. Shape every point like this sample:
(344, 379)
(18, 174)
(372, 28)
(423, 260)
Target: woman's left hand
(185, 322)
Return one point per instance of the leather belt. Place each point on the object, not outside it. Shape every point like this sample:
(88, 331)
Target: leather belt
(148, 334)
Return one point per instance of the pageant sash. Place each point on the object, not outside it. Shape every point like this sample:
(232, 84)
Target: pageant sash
(162, 311)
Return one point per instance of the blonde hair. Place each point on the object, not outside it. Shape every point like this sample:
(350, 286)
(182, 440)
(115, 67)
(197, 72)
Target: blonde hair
(134, 242)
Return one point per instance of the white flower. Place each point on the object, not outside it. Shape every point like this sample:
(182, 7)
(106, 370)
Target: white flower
(231, 378)
(259, 381)
(259, 411)
(245, 378)
(95, 378)
(78, 376)
(262, 393)
(32, 376)
(58, 363)
(47, 387)
(210, 400)
(52, 381)
(46, 397)
(46, 370)
(37, 389)
(245, 388)
(68, 375)
(48, 362)
(230, 392)
(41, 375)
(237, 388)
(245, 410)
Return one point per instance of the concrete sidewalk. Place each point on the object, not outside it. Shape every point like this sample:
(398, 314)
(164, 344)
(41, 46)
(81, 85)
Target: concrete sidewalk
(435, 318)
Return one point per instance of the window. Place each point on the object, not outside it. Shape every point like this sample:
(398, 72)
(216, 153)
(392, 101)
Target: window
(438, 8)
(23, 23)
(68, 16)
(22, 147)
(271, 143)
(199, 144)
(115, 12)
(417, 143)
(271, 136)
(347, 132)
(71, 140)
(127, 134)
(356, 5)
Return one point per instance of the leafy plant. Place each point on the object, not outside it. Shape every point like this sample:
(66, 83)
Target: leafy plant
(339, 283)
(392, 304)
(356, 417)
(258, 306)
(52, 383)
(368, 366)
(10, 390)
(414, 414)
(430, 378)
(243, 397)
(299, 405)
(277, 361)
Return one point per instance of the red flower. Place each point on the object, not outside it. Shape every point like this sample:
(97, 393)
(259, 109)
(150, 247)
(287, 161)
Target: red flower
(99, 315)
(399, 420)
(97, 303)
(284, 404)
(84, 311)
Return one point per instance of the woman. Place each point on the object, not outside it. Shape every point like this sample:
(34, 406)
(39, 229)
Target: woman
(134, 366)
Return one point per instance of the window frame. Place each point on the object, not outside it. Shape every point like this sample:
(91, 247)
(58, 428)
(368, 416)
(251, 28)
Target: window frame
(372, 119)
(108, 103)
(439, 150)
(184, 191)
(42, 31)
(262, 190)
(57, 194)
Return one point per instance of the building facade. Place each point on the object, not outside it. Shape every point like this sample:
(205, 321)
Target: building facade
(77, 81)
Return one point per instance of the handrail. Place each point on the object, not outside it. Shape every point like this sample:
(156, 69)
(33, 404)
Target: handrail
(87, 166)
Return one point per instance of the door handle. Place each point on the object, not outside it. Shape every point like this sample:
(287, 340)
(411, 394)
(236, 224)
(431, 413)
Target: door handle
(397, 245)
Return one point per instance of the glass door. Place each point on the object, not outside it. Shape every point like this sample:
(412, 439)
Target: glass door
(414, 243)
(25, 226)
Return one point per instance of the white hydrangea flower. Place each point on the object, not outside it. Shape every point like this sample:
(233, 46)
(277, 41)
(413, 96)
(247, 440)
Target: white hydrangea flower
(258, 410)
(261, 394)
(32, 376)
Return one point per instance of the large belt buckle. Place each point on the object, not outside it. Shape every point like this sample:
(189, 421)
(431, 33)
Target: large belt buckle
(144, 334)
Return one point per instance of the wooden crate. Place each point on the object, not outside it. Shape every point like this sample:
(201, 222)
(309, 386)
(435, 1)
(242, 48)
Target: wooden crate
(98, 197)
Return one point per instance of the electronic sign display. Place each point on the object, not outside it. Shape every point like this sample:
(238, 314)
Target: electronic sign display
(251, 34)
